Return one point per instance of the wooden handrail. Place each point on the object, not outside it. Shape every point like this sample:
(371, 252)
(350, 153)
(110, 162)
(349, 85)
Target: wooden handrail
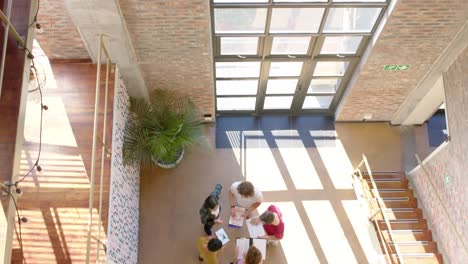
(374, 213)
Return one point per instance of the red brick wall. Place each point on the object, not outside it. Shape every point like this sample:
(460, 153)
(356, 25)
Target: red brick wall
(451, 161)
(416, 33)
(60, 39)
(172, 42)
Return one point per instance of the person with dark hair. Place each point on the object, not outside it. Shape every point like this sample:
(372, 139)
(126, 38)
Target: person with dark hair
(272, 221)
(244, 194)
(209, 249)
(210, 210)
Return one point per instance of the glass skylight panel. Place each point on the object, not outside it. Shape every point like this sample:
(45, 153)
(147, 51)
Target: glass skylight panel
(317, 102)
(240, 20)
(341, 45)
(359, 1)
(296, 20)
(290, 45)
(344, 20)
(300, 1)
(323, 85)
(235, 103)
(285, 69)
(239, 45)
(239, 1)
(281, 86)
(278, 102)
(236, 87)
(237, 69)
(331, 68)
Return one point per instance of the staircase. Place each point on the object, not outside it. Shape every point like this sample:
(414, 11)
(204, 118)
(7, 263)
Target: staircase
(409, 228)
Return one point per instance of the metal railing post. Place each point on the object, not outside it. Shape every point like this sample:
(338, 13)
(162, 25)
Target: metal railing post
(103, 153)
(93, 153)
(373, 214)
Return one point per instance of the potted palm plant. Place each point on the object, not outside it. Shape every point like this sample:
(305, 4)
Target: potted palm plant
(160, 130)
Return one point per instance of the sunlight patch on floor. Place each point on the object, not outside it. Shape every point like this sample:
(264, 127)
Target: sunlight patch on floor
(296, 244)
(261, 167)
(335, 159)
(297, 160)
(363, 228)
(329, 232)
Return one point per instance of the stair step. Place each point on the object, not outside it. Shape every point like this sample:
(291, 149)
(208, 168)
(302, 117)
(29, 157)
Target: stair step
(401, 204)
(408, 235)
(428, 258)
(404, 224)
(403, 184)
(429, 247)
(388, 193)
(384, 175)
(394, 215)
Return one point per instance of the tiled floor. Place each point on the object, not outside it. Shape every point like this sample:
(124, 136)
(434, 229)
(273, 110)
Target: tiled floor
(303, 165)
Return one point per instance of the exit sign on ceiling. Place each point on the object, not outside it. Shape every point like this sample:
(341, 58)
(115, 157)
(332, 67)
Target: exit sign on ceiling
(396, 67)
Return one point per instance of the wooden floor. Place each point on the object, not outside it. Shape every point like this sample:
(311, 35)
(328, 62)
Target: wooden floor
(56, 199)
(306, 173)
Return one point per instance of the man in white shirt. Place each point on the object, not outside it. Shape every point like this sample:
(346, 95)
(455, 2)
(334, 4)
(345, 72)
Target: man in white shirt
(245, 195)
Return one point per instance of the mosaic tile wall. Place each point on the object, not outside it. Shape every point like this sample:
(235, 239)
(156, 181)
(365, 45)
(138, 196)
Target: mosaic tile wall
(122, 243)
(448, 169)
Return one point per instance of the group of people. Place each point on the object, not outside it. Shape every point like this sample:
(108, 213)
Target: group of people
(242, 194)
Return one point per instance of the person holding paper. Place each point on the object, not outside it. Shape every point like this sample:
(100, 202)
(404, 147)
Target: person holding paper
(273, 224)
(252, 256)
(210, 210)
(244, 194)
(209, 249)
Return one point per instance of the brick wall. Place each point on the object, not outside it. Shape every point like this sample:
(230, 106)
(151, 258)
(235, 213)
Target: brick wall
(172, 41)
(416, 33)
(450, 161)
(60, 39)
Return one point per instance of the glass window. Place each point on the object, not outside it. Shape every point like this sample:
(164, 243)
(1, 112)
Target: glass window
(317, 102)
(235, 103)
(237, 69)
(236, 87)
(341, 45)
(299, 1)
(240, 1)
(360, 1)
(239, 45)
(281, 86)
(323, 85)
(351, 19)
(296, 20)
(240, 20)
(278, 102)
(285, 69)
(290, 45)
(331, 68)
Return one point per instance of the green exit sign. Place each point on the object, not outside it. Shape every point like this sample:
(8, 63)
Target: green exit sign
(396, 67)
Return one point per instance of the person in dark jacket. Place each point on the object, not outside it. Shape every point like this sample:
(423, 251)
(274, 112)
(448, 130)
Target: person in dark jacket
(211, 210)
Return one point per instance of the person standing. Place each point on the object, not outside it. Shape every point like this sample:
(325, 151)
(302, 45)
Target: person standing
(211, 210)
(272, 221)
(244, 194)
(209, 249)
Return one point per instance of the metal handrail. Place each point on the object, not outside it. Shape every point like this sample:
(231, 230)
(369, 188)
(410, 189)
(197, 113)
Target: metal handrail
(373, 213)
(452, 224)
(104, 148)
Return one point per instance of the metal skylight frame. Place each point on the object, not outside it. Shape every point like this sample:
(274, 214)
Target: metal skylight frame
(310, 59)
